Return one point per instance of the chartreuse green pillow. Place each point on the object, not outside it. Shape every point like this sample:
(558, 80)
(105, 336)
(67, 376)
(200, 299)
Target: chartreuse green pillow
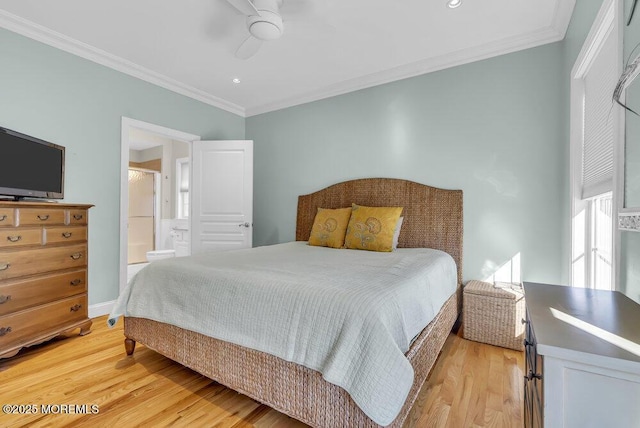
(329, 227)
(372, 228)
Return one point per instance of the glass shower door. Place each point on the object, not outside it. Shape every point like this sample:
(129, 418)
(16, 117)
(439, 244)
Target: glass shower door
(141, 215)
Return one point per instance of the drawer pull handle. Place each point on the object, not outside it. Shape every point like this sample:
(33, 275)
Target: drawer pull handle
(524, 321)
(4, 330)
(78, 216)
(66, 234)
(43, 217)
(76, 256)
(3, 217)
(533, 375)
(75, 308)
(4, 266)
(76, 281)
(4, 299)
(14, 238)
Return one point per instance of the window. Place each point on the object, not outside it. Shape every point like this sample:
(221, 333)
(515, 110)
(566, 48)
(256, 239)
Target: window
(182, 188)
(592, 261)
(594, 123)
(602, 242)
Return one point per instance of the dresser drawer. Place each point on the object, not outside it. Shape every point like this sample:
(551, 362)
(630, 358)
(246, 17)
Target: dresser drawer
(18, 295)
(58, 234)
(6, 217)
(77, 216)
(14, 264)
(10, 238)
(41, 320)
(37, 216)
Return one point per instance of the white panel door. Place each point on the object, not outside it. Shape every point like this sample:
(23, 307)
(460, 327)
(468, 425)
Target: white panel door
(221, 195)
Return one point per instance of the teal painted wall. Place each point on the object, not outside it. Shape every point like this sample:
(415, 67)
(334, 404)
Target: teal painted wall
(78, 104)
(493, 128)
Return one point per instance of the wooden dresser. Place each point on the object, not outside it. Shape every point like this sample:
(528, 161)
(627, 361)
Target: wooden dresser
(43, 272)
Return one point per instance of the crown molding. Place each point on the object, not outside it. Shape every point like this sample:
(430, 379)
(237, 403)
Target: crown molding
(554, 33)
(45, 35)
(562, 17)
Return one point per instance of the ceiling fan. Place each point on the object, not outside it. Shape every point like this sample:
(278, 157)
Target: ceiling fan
(264, 23)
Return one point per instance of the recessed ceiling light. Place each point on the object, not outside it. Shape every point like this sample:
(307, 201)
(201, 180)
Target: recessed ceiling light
(236, 80)
(452, 4)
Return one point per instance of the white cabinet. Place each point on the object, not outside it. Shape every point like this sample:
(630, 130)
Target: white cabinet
(583, 358)
(180, 236)
(181, 244)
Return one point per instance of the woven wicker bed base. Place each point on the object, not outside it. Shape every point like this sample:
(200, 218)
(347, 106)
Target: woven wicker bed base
(287, 387)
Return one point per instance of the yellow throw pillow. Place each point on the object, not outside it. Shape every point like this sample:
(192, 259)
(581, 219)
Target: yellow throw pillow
(329, 227)
(371, 228)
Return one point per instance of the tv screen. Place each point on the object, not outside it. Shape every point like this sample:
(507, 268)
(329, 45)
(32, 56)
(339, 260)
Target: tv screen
(30, 167)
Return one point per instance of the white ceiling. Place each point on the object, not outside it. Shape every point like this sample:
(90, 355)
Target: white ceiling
(329, 47)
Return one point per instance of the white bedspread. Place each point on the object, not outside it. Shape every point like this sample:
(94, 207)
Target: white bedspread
(348, 314)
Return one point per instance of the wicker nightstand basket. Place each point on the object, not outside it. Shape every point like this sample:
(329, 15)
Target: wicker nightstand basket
(493, 314)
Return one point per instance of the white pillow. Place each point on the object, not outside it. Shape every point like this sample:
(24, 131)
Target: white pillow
(396, 233)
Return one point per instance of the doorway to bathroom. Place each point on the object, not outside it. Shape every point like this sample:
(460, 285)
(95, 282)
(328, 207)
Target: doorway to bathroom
(154, 210)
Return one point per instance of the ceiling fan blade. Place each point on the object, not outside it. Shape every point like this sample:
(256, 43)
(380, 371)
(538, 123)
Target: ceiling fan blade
(248, 48)
(244, 6)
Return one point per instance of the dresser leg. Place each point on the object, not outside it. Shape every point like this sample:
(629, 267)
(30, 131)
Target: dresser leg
(85, 328)
(129, 345)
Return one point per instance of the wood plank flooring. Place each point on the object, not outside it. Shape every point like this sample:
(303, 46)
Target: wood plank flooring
(472, 385)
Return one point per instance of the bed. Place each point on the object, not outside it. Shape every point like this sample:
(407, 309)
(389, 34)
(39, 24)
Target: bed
(432, 219)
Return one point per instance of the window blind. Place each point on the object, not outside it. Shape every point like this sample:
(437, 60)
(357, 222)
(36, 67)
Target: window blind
(597, 150)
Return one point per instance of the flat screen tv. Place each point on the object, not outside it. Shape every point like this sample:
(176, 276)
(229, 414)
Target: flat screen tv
(30, 167)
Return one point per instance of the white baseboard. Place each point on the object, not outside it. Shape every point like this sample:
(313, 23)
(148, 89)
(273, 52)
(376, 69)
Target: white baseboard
(100, 309)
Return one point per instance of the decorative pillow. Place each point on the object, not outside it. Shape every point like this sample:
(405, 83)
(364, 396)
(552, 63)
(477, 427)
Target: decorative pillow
(372, 228)
(329, 227)
(396, 232)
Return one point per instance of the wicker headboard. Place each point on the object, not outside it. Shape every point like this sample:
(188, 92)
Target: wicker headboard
(432, 216)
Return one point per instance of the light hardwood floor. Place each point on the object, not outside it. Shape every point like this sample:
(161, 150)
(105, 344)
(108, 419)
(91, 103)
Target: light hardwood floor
(472, 385)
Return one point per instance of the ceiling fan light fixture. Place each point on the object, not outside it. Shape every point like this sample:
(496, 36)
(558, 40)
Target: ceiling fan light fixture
(452, 4)
(267, 26)
(265, 30)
